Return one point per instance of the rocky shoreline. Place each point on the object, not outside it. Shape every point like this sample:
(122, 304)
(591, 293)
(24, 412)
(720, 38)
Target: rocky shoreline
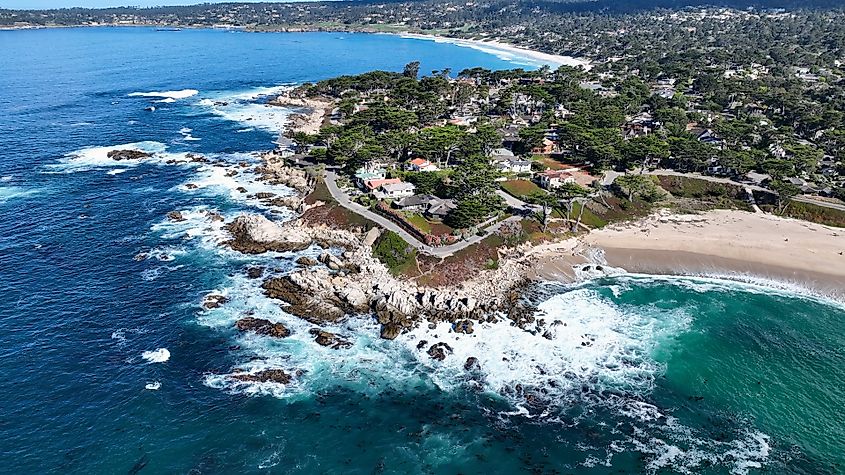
(347, 281)
(310, 120)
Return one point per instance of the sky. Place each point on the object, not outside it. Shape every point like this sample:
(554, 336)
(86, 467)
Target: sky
(38, 4)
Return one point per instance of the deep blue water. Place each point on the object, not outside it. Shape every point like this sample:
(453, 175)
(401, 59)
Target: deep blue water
(683, 374)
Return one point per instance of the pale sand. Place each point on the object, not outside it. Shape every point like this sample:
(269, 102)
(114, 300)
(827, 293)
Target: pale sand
(507, 51)
(733, 244)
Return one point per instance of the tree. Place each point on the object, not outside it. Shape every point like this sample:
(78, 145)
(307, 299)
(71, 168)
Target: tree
(440, 143)
(547, 202)
(412, 70)
(638, 185)
(641, 150)
(568, 194)
(785, 191)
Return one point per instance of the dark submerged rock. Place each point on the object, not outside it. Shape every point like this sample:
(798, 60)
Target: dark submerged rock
(267, 375)
(329, 340)
(118, 155)
(439, 351)
(262, 327)
(471, 363)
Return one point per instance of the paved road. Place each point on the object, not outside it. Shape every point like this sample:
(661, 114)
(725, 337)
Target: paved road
(814, 201)
(441, 251)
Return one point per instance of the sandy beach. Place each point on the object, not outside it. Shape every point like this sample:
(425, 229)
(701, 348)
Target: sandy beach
(507, 51)
(732, 244)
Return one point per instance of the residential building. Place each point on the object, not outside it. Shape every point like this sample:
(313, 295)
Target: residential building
(421, 165)
(394, 190)
(551, 179)
(373, 185)
(512, 164)
(368, 173)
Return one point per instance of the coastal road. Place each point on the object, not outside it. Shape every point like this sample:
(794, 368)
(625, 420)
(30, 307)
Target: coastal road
(440, 251)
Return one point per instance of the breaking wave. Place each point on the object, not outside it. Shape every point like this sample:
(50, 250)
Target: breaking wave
(168, 96)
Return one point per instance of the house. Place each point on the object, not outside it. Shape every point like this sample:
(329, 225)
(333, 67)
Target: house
(705, 136)
(551, 179)
(546, 147)
(439, 208)
(510, 137)
(395, 190)
(512, 164)
(367, 174)
(421, 165)
(373, 185)
(429, 205)
(414, 203)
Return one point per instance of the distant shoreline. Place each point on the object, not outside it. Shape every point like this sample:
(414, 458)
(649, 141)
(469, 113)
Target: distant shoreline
(494, 47)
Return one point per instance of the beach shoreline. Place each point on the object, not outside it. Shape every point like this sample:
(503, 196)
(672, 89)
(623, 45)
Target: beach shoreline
(505, 51)
(732, 245)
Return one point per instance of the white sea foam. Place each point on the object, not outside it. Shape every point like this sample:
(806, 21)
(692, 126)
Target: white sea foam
(6, 178)
(242, 107)
(159, 355)
(97, 157)
(116, 171)
(174, 95)
(153, 386)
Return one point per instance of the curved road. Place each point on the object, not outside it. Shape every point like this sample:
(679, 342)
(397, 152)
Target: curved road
(441, 251)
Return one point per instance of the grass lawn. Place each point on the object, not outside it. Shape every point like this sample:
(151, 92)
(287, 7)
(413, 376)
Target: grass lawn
(419, 222)
(520, 188)
(588, 218)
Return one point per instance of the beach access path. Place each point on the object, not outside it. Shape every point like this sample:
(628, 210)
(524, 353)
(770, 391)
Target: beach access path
(439, 251)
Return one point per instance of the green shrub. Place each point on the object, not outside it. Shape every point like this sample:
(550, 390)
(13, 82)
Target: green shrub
(393, 251)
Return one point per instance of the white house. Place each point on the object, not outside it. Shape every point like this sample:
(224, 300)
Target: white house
(551, 179)
(421, 165)
(395, 190)
(512, 165)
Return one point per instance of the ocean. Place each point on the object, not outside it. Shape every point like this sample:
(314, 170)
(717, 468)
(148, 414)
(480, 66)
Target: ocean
(111, 365)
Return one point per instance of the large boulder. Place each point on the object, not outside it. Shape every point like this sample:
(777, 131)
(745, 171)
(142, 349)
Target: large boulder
(329, 340)
(439, 351)
(303, 302)
(390, 331)
(262, 327)
(255, 234)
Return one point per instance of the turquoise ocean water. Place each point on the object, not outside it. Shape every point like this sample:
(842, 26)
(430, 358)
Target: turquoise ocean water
(649, 374)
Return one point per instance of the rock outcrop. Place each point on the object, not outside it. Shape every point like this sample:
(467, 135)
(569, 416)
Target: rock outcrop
(330, 340)
(255, 234)
(356, 282)
(274, 171)
(213, 301)
(262, 327)
(119, 155)
(265, 376)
